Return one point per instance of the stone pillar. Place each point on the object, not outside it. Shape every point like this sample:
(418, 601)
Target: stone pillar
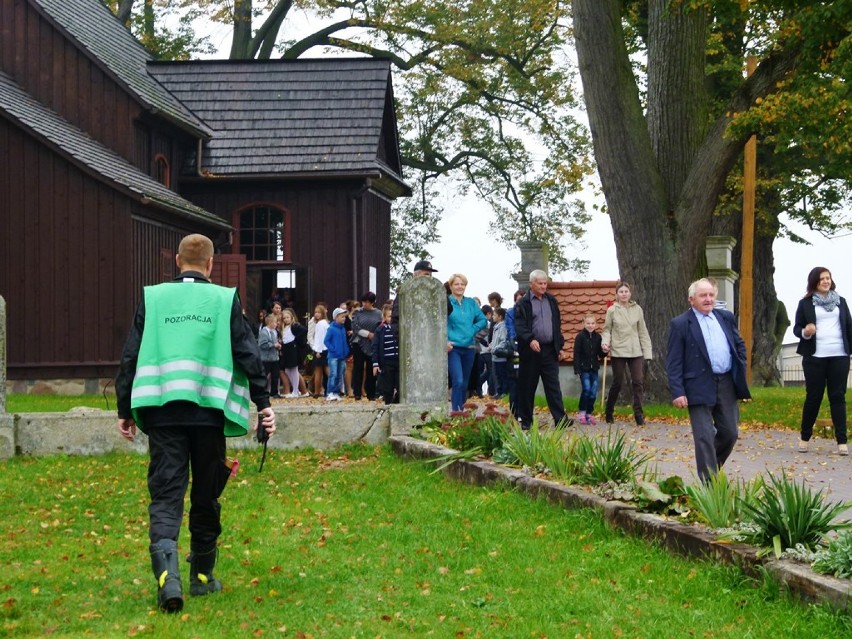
(533, 256)
(7, 422)
(423, 342)
(718, 251)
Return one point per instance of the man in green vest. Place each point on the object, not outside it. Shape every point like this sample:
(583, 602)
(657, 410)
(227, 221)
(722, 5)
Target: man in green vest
(188, 369)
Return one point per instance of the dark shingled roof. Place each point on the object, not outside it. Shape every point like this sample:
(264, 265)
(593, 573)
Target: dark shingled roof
(288, 117)
(117, 52)
(92, 156)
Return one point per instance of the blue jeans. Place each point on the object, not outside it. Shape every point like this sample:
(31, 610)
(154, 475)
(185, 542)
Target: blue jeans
(460, 363)
(336, 367)
(589, 382)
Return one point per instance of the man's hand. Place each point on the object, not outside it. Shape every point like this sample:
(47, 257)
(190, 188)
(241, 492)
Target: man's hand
(127, 428)
(376, 369)
(535, 346)
(562, 356)
(680, 402)
(268, 421)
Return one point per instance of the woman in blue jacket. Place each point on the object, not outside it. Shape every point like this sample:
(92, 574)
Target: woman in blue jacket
(465, 320)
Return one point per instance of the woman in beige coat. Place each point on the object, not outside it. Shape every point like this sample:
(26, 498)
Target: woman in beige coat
(625, 339)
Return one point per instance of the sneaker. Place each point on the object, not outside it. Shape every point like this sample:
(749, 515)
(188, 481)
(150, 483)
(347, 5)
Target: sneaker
(331, 397)
(582, 418)
(591, 419)
(842, 449)
(305, 395)
(803, 446)
(293, 395)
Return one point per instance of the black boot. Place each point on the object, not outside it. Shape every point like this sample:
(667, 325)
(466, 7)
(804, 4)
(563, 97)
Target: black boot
(640, 417)
(201, 579)
(164, 562)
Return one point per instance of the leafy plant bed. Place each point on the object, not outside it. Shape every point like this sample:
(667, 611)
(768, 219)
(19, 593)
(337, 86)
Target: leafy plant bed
(690, 539)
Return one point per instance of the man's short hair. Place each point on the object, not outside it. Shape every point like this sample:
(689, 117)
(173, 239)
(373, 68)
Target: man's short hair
(537, 274)
(195, 250)
(704, 280)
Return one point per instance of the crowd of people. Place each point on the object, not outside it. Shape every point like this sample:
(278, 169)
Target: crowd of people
(186, 376)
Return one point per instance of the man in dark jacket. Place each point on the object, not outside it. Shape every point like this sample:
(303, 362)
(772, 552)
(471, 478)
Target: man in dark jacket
(539, 334)
(188, 367)
(706, 367)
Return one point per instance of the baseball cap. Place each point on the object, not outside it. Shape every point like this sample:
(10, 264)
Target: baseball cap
(338, 311)
(424, 265)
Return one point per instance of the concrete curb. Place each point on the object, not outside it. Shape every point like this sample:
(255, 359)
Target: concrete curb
(684, 539)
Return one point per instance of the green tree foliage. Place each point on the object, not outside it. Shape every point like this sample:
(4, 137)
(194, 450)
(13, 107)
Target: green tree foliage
(484, 96)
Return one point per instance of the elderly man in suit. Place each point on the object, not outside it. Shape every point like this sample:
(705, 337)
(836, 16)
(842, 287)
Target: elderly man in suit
(706, 367)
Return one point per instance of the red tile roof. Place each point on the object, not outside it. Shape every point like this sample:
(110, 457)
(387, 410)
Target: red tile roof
(575, 300)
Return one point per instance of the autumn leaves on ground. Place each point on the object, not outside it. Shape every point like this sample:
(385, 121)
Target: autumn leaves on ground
(357, 543)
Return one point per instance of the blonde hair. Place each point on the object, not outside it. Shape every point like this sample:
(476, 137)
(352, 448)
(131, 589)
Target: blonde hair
(289, 311)
(195, 250)
(322, 309)
(456, 276)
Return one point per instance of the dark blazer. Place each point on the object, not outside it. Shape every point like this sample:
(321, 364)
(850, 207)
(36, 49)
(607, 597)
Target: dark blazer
(688, 362)
(523, 322)
(805, 314)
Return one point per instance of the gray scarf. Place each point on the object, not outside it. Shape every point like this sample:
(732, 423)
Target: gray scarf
(829, 302)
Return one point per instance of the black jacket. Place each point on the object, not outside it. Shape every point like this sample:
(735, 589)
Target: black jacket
(587, 352)
(523, 323)
(805, 314)
(246, 355)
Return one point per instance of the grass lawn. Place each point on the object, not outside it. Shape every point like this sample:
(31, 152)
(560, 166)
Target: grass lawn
(358, 543)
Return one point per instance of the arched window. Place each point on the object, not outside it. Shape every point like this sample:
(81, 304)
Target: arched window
(161, 170)
(264, 234)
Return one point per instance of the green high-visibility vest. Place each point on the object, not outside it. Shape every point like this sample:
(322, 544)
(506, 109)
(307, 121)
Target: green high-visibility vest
(186, 353)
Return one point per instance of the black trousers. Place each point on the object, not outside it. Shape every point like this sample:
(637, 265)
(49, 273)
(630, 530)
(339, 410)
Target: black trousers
(822, 373)
(535, 366)
(360, 364)
(637, 380)
(174, 451)
(388, 383)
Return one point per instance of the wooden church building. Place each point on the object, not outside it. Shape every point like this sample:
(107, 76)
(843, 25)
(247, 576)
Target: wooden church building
(108, 158)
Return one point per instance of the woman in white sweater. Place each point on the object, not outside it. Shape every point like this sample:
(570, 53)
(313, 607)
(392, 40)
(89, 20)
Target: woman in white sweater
(626, 340)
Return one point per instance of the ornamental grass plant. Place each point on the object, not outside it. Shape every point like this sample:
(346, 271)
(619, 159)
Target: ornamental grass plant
(720, 501)
(358, 543)
(789, 513)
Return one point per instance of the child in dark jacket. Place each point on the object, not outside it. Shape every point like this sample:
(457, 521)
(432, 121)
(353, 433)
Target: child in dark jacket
(386, 358)
(587, 356)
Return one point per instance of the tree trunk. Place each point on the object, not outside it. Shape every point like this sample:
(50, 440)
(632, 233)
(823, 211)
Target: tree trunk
(241, 44)
(662, 177)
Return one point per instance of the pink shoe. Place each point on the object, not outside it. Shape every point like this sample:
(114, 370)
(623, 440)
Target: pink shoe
(582, 418)
(592, 419)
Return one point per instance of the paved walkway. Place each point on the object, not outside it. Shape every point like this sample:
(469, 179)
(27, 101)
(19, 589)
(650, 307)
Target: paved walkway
(758, 451)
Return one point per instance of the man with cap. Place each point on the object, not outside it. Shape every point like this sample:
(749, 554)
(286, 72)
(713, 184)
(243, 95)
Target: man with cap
(423, 268)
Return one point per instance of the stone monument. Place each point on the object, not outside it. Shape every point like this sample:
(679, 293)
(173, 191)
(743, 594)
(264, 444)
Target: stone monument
(718, 250)
(7, 422)
(423, 342)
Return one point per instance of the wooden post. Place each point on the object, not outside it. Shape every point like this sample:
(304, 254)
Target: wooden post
(747, 251)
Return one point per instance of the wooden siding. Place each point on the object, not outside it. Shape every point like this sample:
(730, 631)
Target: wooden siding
(54, 71)
(321, 224)
(66, 275)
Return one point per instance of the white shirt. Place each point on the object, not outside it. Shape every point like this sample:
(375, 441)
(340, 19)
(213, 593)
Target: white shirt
(829, 336)
(319, 336)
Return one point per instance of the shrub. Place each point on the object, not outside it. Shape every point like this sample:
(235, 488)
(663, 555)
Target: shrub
(790, 513)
